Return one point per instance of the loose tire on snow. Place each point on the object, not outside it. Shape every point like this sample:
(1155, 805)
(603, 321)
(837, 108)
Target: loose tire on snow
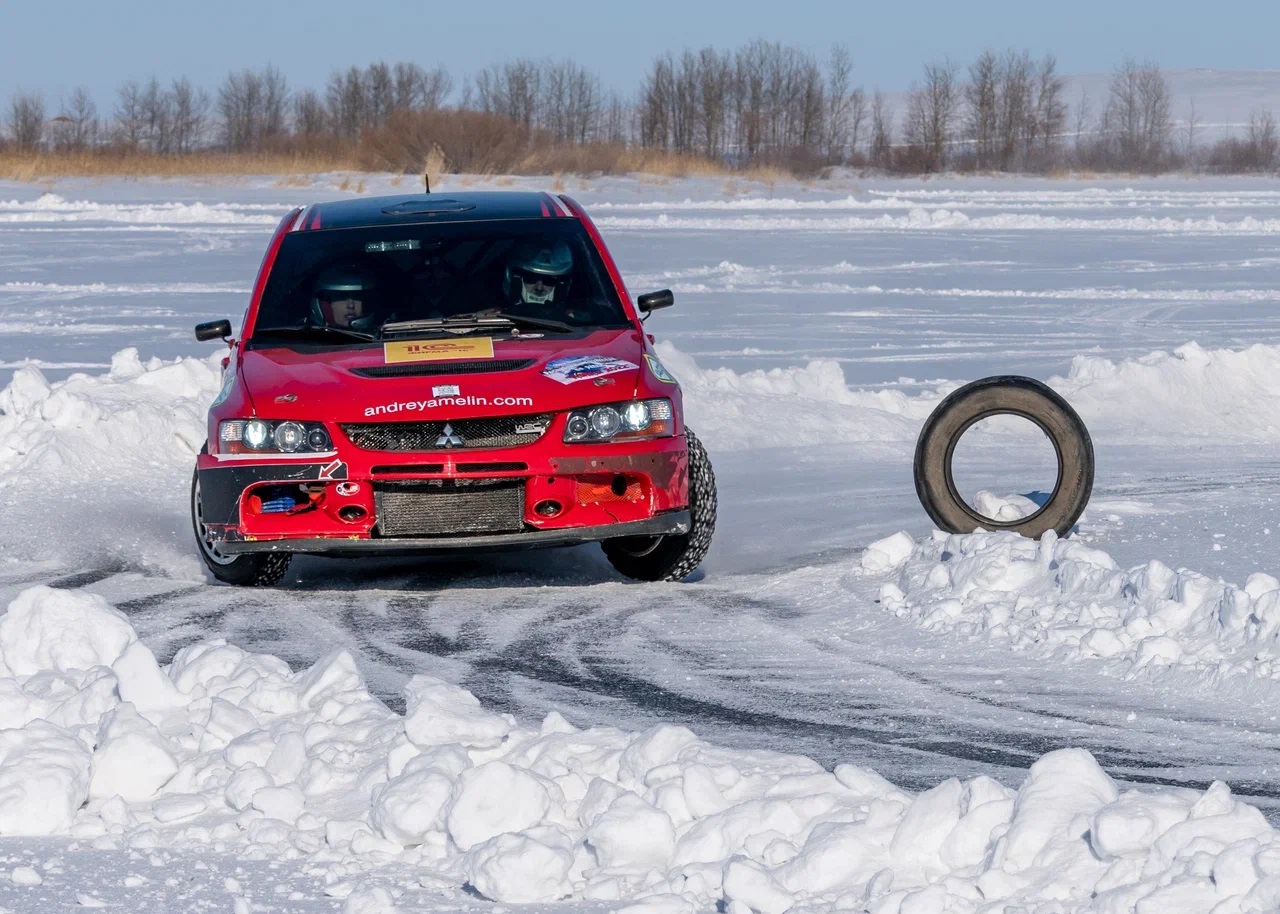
(672, 557)
(251, 569)
(1004, 395)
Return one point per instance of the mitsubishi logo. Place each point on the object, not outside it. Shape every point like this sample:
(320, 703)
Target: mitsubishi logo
(448, 437)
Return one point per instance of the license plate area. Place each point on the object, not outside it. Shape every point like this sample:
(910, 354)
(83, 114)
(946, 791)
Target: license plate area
(447, 507)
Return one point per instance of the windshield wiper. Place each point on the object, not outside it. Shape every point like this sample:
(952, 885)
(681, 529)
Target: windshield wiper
(316, 333)
(479, 320)
(543, 323)
(452, 323)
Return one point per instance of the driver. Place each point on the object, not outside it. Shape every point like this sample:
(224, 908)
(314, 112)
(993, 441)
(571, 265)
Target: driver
(539, 273)
(343, 299)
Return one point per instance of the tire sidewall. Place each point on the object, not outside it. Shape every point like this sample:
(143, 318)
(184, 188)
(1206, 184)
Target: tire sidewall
(1004, 395)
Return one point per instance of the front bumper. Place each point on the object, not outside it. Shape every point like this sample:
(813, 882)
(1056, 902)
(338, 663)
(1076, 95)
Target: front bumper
(677, 522)
(355, 503)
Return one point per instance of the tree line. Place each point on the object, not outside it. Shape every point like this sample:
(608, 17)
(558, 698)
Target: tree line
(763, 104)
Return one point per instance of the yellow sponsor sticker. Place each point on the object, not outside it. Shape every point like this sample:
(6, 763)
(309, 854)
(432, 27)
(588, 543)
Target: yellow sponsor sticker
(480, 347)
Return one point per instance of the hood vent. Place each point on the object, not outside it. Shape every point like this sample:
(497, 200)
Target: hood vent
(429, 369)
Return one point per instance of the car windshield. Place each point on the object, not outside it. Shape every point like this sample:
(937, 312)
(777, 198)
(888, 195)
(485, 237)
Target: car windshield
(436, 279)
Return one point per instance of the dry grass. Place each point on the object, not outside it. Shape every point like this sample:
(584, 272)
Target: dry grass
(34, 168)
(298, 170)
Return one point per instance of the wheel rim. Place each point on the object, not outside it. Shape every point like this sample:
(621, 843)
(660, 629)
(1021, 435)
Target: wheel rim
(203, 535)
(653, 542)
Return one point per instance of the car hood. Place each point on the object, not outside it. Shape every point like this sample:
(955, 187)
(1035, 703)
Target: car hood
(360, 384)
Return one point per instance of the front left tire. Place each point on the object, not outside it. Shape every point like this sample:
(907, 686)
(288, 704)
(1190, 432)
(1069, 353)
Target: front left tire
(250, 570)
(673, 557)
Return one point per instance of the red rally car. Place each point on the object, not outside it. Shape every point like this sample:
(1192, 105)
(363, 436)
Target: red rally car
(431, 373)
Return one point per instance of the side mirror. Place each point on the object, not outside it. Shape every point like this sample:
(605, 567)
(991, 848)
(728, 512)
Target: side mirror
(213, 330)
(652, 301)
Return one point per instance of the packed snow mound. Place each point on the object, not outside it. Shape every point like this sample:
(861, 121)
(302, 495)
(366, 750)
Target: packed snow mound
(921, 218)
(787, 407)
(52, 208)
(1229, 394)
(1062, 599)
(101, 463)
(230, 749)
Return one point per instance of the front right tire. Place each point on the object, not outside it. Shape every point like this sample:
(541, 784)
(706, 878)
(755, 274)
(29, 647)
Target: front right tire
(249, 570)
(673, 557)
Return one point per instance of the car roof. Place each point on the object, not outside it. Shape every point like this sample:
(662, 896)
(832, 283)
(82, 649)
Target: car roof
(410, 209)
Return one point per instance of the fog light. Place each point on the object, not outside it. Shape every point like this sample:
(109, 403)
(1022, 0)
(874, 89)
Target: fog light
(351, 513)
(547, 508)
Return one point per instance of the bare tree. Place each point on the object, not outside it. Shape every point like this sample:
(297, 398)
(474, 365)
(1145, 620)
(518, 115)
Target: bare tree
(930, 110)
(252, 106)
(75, 129)
(128, 115)
(345, 98)
(1049, 111)
(1263, 140)
(189, 110)
(1190, 127)
(511, 90)
(309, 116)
(980, 94)
(1137, 117)
(881, 131)
(26, 121)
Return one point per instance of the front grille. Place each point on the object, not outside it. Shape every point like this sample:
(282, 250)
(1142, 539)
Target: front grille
(432, 369)
(500, 431)
(449, 508)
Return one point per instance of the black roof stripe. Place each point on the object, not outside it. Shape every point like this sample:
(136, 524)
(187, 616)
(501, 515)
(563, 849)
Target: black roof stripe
(460, 207)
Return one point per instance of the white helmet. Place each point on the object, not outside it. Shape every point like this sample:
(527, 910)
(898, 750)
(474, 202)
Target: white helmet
(340, 284)
(539, 272)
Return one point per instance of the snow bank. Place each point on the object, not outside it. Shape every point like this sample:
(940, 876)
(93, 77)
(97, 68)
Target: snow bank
(1062, 599)
(101, 464)
(1191, 392)
(51, 208)
(921, 218)
(234, 751)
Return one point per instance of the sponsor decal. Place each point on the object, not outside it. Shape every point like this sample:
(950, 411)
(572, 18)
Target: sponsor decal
(436, 350)
(348, 488)
(446, 390)
(659, 370)
(581, 367)
(334, 470)
(411, 406)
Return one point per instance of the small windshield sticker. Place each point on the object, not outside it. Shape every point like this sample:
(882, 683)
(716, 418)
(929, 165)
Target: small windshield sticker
(581, 367)
(446, 390)
(409, 244)
(659, 370)
(480, 347)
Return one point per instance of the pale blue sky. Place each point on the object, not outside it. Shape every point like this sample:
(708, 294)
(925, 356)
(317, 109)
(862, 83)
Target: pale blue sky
(57, 45)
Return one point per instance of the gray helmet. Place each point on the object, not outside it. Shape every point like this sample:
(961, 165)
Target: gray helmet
(540, 272)
(343, 284)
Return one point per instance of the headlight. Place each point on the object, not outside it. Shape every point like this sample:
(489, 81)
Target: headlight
(273, 436)
(629, 421)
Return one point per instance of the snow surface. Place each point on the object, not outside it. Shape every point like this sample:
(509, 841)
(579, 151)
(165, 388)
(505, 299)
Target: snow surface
(233, 751)
(968, 722)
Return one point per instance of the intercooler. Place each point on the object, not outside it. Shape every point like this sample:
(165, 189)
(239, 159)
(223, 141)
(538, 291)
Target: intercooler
(449, 507)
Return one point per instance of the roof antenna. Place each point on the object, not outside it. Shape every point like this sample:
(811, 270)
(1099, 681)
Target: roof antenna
(426, 180)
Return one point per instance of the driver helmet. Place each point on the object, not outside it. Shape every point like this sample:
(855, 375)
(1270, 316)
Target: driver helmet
(539, 272)
(343, 298)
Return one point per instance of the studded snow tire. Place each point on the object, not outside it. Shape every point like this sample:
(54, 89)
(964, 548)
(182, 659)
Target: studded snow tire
(672, 557)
